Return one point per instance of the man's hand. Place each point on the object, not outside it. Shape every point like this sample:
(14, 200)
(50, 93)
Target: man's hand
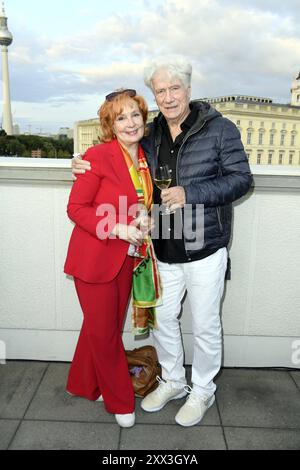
(174, 197)
(79, 166)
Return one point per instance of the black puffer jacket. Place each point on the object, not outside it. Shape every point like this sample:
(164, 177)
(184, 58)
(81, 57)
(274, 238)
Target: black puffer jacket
(212, 167)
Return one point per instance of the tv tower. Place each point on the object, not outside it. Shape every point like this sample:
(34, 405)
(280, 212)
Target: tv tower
(6, 39)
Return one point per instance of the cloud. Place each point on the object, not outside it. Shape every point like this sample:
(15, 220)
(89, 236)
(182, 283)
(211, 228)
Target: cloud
(63, 50)
(288, 8)
(235, 46)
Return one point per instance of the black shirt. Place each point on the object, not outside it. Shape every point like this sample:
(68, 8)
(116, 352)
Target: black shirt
(172, 250)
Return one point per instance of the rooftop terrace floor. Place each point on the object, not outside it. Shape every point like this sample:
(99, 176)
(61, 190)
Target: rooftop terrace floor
(254, 409)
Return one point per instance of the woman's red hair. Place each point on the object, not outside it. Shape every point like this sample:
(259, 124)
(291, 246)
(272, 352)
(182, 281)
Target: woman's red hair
(110, 110)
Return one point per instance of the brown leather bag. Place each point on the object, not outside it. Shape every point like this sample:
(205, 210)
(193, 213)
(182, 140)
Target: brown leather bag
(144, 368)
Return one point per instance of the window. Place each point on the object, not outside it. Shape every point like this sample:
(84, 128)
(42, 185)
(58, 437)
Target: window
(238, 122)
(282, 139)
(271, 139)
(270, 156)
(291, 157)
(293, 140)
(249, 137)
(280, 159)
(258, 161)
(250, 123)
(248, 155)
(86, 135)
(260, 138)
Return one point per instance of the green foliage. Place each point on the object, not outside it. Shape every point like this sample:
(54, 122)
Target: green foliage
(22, 146)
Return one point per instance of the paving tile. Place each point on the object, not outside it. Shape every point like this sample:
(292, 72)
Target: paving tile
(168, 413)
(18, 383)
(7, 430)
(51, 401)
(43, 435)
(158, 437)
(262, 439)
(258, 398)
(260, 409)
(296, 376)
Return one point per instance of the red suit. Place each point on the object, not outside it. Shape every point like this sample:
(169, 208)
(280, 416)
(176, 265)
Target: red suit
(102, 272)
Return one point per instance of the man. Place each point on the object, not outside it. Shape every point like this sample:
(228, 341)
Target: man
(209, 169)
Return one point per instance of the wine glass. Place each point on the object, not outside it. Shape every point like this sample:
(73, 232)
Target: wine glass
(142, 220)
(163, 179)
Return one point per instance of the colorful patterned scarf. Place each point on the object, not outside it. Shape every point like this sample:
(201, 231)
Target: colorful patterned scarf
(146, 285)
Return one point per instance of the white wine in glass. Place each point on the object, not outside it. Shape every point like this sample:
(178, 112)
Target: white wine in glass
(163, 179)
(162, 184)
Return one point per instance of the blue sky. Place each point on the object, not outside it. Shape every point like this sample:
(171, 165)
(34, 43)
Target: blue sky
(68, 54)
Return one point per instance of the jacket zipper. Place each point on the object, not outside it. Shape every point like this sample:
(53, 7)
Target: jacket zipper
(184, 141)
(219, 208)
(177, 174)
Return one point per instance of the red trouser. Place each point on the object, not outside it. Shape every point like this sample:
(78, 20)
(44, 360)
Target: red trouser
(99, 365)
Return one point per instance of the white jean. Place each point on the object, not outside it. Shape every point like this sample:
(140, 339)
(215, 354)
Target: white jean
(204, 282)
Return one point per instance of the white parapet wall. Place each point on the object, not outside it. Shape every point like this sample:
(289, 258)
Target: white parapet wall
(40, 316)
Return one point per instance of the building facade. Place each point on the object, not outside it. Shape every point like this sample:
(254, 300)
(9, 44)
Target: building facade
(65, 133)
(86, 134)
(270, 131)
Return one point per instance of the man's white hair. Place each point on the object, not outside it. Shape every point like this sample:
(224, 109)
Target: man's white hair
(176, 67)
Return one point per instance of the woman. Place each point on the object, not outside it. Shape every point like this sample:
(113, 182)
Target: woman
(98, 252)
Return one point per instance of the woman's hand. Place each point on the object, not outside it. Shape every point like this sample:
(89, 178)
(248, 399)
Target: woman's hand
(129, 233)
(145, 223)
(79, 166)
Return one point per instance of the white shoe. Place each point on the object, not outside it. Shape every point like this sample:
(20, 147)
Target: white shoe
(125, 421)
(194, 409)
(165, 392)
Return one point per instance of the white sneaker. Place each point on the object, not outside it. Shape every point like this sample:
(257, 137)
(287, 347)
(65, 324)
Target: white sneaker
(125, 421)
(194, 409)
(165, 392)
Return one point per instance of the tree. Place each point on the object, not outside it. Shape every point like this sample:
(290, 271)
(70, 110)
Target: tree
(3, 145)
(49, 149)
(63, 154)
(23, 145)
(15, 148)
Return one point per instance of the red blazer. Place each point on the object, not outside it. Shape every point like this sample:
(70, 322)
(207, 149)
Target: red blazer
(89, 258)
